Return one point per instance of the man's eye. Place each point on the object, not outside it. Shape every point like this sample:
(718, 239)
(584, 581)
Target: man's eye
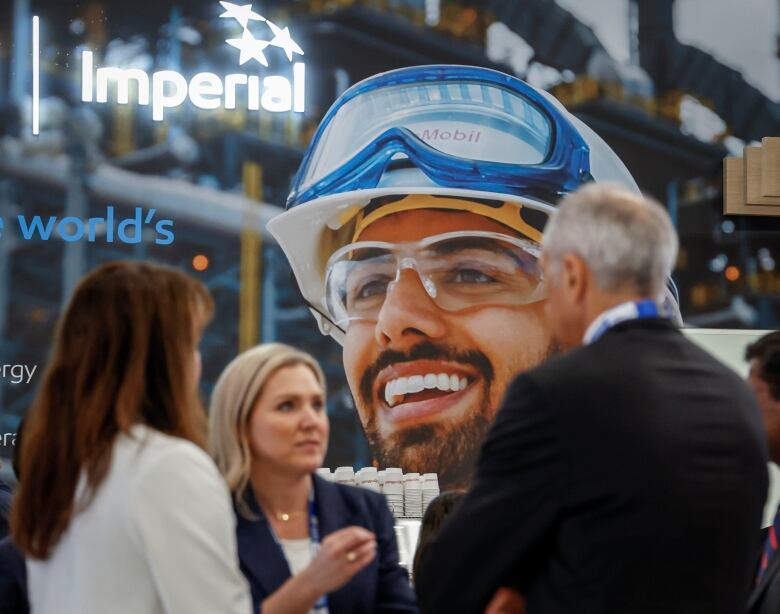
(470, 276)
(371, 288)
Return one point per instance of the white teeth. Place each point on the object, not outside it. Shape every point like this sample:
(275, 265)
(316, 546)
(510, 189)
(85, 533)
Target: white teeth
(443, 381)
(396, 389)
(389, 396)
(416, 384)
(401, 386)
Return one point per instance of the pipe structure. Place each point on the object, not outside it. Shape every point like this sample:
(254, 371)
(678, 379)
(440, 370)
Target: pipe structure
(557, 37)
(672, 65)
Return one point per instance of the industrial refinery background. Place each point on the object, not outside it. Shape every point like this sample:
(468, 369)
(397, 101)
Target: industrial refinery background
(670, 110)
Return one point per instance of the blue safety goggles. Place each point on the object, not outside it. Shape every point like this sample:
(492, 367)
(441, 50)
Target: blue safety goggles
(462, 127)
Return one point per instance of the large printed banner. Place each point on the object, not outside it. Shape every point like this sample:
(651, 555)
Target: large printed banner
(369, 181)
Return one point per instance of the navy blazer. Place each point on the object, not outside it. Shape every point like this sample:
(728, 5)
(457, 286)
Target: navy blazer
(13, 580)
(382, 586)
(6, 494)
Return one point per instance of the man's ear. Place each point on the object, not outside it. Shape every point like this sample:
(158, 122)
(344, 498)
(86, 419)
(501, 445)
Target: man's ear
(574, 277)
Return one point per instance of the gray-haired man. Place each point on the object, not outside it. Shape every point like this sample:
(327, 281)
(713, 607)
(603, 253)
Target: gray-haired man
(625, 475)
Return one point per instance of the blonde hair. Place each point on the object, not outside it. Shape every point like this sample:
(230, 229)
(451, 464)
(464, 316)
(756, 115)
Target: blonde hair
(237, 390)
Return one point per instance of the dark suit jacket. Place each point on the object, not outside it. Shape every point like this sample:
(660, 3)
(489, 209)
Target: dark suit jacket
(6, 495)
(382, 586)
(627, 476)
(765, 597)
(13, 580)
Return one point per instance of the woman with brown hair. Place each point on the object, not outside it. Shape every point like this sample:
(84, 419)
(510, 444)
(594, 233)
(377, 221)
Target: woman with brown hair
(120, 510)
(305, 544)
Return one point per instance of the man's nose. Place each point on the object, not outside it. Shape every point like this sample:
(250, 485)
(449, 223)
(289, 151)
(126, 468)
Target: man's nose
(408, 312)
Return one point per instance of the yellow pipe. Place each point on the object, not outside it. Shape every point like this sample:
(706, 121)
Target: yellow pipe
(123, 130)
(251, 262)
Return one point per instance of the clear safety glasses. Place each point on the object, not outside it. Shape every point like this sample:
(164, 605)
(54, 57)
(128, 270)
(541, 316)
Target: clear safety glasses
(458, 270)
(461, 126)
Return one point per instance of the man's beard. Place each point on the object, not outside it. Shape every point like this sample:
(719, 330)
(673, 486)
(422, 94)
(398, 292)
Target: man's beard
(449, 449)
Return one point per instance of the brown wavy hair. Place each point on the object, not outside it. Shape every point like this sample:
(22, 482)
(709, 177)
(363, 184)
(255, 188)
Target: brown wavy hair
(123, 354)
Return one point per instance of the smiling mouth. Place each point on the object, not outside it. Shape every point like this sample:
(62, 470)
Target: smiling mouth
(422, 387)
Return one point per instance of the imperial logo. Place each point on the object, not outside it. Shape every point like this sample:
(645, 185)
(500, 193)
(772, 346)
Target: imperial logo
(167, 89)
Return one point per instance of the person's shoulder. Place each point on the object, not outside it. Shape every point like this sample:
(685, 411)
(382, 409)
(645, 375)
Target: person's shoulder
(152, 447)
(170, 474)
(563, 381)
(348, 492)
(614, 351)
(548, 373)
(156, 459)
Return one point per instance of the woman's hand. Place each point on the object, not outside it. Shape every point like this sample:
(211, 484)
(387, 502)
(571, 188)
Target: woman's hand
(342, 554)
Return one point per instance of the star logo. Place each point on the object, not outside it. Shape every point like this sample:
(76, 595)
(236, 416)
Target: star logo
(252, 48)
(241, 13)
(282, 40)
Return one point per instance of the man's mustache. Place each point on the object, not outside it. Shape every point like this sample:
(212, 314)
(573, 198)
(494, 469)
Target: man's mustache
(427, 350)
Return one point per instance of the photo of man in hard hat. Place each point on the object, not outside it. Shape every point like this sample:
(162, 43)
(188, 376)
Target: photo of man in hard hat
(413, 230)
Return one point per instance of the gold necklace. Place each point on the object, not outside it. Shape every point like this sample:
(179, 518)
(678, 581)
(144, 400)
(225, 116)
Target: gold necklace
(285, 517)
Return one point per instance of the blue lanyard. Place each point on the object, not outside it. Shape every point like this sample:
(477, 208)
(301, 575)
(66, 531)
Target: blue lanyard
(321, 607)
(639, 310)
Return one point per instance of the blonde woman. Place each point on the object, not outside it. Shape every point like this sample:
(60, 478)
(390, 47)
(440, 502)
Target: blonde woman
(304, 544)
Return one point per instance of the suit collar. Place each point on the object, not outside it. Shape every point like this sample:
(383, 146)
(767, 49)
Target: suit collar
(332, 508)
(335, 513)
(647, 323)
(261, 556)
(771, 571)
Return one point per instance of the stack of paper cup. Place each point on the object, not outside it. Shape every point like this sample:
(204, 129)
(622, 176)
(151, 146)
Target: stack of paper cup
(413, 507)
(430, 489)
(393, 489)
(368, 477)
(344, 475)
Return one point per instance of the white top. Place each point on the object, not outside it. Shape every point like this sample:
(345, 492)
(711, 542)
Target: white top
(298, 554)
(158, 538)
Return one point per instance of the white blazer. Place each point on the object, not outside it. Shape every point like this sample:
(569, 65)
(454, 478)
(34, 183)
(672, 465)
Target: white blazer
(158, 538)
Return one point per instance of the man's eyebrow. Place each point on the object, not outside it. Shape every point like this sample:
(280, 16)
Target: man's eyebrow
(451, 245)
(366, 253)
(518, 255)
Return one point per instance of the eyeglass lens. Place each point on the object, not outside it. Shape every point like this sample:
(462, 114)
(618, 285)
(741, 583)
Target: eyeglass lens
(463, 272)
